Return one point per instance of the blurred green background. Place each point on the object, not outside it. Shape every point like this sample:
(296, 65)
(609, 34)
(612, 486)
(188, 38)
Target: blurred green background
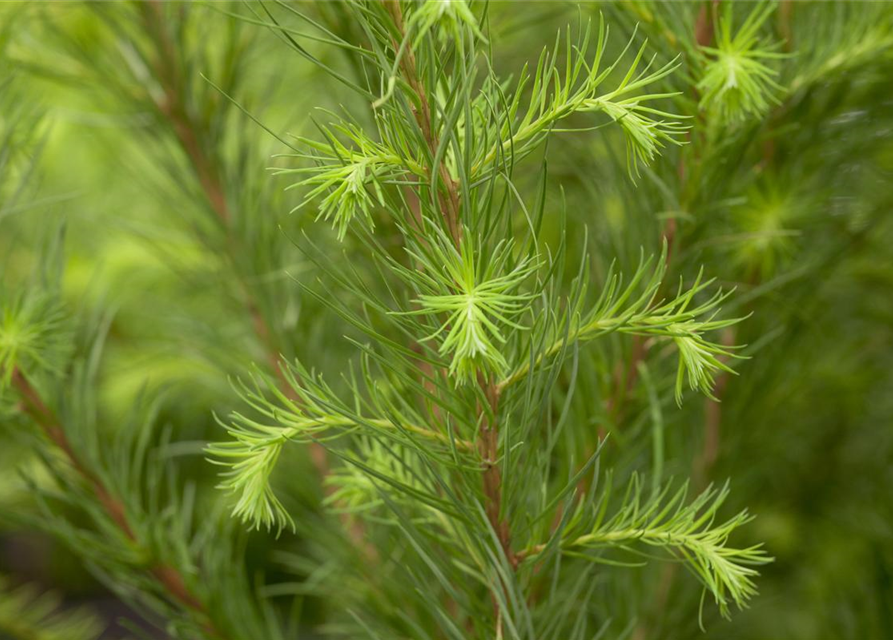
(792, 208)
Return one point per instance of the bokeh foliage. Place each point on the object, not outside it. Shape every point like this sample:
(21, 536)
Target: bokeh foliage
(181, 212)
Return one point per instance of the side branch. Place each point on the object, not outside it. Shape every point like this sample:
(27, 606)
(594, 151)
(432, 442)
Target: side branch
(174, 109)
(168, 577)
(677, 320)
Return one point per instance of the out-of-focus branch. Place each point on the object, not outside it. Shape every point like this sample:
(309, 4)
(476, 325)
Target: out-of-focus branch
(175, 110)
(167, 576)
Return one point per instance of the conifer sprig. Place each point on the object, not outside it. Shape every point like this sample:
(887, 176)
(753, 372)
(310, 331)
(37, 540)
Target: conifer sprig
(25, 612)
(113, 512)
(452, 290)
(688, 531)
(475, 302)
(347, 180)
(34, 333)
(556, 94)
(470, 359)
(635, 309)
(355, 489)
(110, 492)
(737, 82)
(32, 336)
(312, 412)
(452, 19)
(464, 286)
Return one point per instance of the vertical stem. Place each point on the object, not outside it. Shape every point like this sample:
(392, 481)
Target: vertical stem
(624, 380)
(449, 202)
(712, 422)
(175, 110)
(704, 23)
(185, 128)
(488, 441)
(625, 377)
(785, 13)
(488, 446)
(704, 36)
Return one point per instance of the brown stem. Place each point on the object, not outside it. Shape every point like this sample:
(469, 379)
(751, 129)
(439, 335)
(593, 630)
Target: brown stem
(625, 380)
(704, 36)
(167, 576)
(785, 13)
(704, 24)
(701, 467)
(176, 111)
(712, 421)
(625, 377)
(488, 442)
(449, 201)
(488, 446)
(174, 108)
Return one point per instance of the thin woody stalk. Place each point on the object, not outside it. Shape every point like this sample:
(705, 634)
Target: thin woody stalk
(165, 575)
(208, 174)
(184, 128)
(489, 450)
(174, 109)
(704, 35)
(449, 202)
(488, 442)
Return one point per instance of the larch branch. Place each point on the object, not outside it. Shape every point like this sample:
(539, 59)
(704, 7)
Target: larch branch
(167, 576)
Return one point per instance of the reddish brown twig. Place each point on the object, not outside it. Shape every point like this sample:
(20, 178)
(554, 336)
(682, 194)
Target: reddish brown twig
(488, 437)
(488, 446)
(785, 14)
(175, 110)
(625, 377)
(167, 576)
(704, 23)
(704, 36)
(712, 421)
(449, 201)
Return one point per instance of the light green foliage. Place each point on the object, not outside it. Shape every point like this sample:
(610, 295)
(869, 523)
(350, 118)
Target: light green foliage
(350, 177)
(556, 93)
(433, 373)
(255, 459)
(475, 302)
(644, 136)
(356, 489)
(687, 530)
(464, 294)
(738, 81)
(32, 336)
(308, 411)
(626, 309)
(35, 335)
(451, 19)
(25, 612)
(767, 221)
(697, 358)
